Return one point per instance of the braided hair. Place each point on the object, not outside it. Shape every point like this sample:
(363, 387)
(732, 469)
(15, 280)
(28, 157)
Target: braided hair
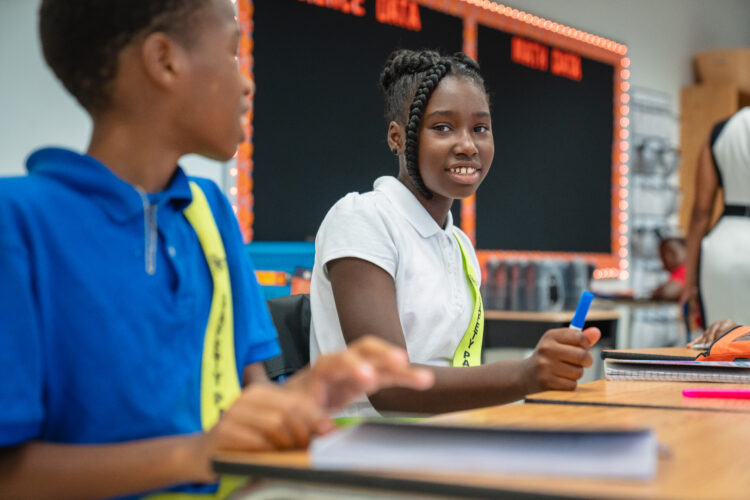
(408, 80)
(82, 39)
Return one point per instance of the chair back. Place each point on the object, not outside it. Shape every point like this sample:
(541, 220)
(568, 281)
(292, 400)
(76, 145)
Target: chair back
(291, 317)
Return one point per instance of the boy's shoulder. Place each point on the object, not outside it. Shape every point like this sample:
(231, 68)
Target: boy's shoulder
(27, 193)
(17, 187)
(30, 207)
(41, 187)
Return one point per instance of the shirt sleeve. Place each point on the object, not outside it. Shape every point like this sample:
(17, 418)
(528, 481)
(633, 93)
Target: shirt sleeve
(20, 345)
(260, 330)
(356, 227)
(255, 335)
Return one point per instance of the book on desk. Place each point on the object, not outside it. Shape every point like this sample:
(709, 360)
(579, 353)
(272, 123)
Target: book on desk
(635, 364)
(582, 452)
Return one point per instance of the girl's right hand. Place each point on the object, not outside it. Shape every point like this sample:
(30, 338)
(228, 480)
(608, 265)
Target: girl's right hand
(558, 360)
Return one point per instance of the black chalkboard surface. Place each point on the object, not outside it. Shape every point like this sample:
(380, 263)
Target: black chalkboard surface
(318, 126)
(550, 186)
(319, 132)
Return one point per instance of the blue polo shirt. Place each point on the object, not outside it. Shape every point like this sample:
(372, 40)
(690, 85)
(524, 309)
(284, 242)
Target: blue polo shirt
(104, 300)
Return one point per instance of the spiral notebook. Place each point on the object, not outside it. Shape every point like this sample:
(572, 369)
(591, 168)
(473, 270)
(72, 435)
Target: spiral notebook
(632, 365)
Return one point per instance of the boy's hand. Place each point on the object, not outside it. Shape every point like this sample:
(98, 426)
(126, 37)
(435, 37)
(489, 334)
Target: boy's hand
(713, 332)
(559, 359)
(368, 365)
(264, 417)
(269, 417)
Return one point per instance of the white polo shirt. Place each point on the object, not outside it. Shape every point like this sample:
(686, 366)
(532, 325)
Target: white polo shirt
(390, 228)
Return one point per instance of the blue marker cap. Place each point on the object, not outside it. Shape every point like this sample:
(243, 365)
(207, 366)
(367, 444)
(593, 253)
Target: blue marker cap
(582, 310)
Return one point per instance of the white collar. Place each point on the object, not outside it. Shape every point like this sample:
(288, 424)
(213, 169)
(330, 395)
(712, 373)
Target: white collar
(410, 207)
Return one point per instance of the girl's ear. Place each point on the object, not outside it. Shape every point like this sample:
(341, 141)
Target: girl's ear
(396, 138)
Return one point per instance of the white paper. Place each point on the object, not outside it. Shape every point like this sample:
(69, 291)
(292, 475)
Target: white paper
(386, 446)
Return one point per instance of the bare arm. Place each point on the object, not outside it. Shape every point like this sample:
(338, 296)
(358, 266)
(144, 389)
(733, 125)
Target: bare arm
(255, 372)
(365, 298)
(265, 417)
(706, 188)
(47, 470)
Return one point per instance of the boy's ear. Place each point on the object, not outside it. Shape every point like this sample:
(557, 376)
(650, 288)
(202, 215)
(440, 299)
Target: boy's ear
(162, 59)
(396, 138)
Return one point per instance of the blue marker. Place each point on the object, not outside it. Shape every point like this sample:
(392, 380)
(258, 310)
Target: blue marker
(579, 318)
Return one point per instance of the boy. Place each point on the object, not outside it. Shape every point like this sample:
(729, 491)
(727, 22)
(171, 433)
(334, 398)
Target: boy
(130, 312)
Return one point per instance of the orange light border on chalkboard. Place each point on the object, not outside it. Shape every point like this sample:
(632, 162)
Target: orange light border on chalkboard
(242, 172)
(517, 22)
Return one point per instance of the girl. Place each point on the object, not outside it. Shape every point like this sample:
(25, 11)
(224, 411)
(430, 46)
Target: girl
(391, 263)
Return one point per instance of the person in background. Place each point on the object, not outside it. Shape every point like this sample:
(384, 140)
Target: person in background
(672, 253)
(391, 263)
(718, 261)
(131, 317)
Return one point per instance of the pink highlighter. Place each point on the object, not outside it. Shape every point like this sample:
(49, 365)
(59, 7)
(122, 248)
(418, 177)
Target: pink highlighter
(717, 393)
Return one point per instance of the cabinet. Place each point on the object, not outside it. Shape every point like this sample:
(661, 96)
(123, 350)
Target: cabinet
(702, 107)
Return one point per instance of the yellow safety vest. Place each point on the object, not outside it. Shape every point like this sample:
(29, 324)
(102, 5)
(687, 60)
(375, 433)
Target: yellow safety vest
(469, 350)
(220, 385)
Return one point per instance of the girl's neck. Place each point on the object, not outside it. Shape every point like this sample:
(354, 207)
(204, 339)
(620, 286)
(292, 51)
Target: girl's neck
(438, 206)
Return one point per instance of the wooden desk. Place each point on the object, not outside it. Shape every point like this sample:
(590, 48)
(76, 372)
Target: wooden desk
(706, 458)
(635, 301)
(636, 394)
(551, 316)
(525, 328)
(666, 351)
(632, 394)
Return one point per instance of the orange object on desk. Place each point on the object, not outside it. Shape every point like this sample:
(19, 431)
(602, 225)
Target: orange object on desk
(732, 345)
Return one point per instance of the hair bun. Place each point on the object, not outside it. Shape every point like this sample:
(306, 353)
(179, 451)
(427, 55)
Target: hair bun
(406, 62)
(462, 58)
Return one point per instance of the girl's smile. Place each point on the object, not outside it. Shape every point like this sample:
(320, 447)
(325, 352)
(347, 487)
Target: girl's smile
(464, 173)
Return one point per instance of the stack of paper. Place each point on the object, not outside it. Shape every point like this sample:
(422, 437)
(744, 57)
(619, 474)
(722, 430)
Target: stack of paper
(614, 453)
(631, 365)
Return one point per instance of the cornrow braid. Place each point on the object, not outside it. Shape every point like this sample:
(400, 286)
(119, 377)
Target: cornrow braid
(416, 112)
(408, 80)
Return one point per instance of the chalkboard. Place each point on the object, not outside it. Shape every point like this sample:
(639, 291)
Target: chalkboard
(319, 132)
(318, 125)
(550, 185)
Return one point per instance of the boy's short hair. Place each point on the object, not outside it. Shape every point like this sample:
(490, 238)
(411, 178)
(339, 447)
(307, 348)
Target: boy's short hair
(81, 39)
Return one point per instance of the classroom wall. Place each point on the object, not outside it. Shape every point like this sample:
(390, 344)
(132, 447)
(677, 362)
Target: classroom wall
(35, 110)
(662, 36)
